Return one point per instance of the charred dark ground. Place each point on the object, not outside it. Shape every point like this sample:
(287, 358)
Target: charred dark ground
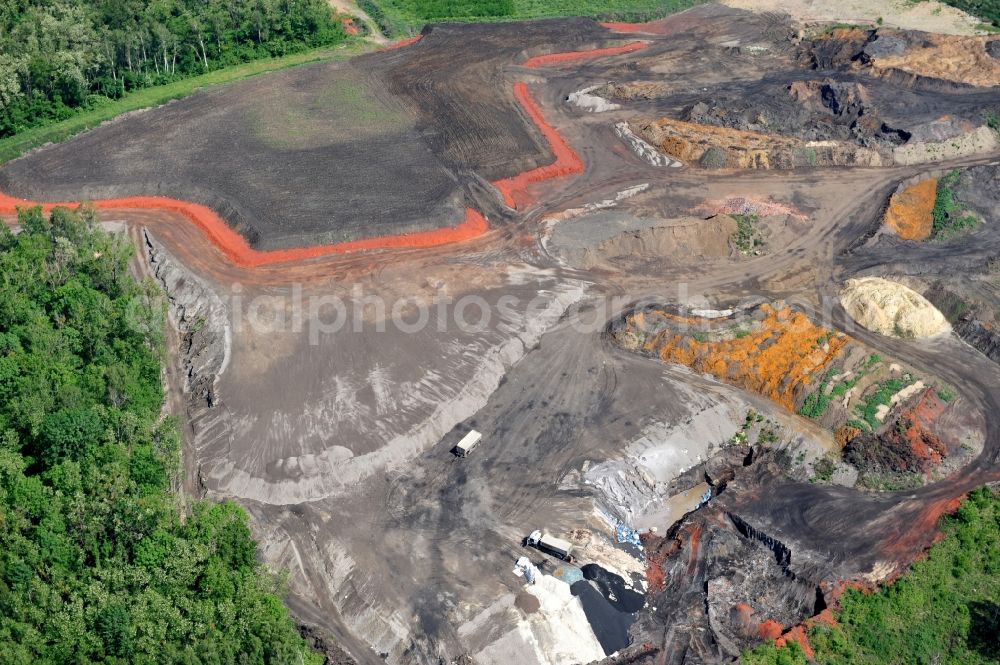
(387, 143)
(339, 448)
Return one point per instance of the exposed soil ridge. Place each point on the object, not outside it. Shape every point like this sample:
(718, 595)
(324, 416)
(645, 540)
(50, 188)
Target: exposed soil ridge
(512, 189)
(239, 251)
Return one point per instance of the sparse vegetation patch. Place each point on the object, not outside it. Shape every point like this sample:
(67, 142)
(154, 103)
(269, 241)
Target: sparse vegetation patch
(747, 238)
(950, 217)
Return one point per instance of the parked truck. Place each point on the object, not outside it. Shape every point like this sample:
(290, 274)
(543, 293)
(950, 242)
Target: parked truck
(557, 547)
(468, 442)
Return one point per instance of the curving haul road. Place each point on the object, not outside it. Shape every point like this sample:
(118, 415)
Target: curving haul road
(574, 380)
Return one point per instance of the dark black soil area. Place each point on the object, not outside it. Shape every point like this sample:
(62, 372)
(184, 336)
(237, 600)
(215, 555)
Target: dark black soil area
(610, 605)
(972, 306)
(610, 624)
(979, 188)
(309, 155)
(621, 596)
(813, 90)
(889, 452)
(466, 110)
(838, 107)
(383, 144)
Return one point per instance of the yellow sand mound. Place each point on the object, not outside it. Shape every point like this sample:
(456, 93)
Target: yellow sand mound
(891, 309)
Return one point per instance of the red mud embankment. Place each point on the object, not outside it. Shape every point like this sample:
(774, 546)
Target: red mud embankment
(236, 248)
(513, 190)
(568, 162)
(570, 56)
(401, 43)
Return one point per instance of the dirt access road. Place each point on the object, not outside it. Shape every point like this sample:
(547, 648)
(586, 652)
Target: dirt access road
(338, 442)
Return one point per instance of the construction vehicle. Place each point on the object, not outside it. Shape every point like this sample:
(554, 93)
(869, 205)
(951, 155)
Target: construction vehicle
(468, 442)
(524, 568)
(557, 547)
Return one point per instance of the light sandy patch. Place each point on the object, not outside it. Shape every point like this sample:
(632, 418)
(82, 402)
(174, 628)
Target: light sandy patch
(558, 633)
(891, 309)
(928, 16)
(591, 103)
(975, 142)
(643, 150)
(959, 59)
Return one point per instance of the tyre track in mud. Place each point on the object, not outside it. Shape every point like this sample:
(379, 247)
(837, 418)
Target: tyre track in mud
(899, 525)
(892, 526)
(580, 377)
(237, 251)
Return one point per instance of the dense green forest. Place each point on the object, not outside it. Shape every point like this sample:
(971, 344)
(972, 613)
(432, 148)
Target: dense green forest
(57, 56)
(945, 610)
(401, 16)
(98, 562)
(988, 10)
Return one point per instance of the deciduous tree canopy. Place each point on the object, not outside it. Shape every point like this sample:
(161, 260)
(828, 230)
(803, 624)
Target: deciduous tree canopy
(945, 610)
(60, 55)
(97, 560)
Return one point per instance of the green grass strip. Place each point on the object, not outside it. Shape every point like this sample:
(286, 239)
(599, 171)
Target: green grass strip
(17, 145)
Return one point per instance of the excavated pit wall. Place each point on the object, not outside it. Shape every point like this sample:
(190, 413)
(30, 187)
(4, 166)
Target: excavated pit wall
(200, 316)
(203, 322)
(976, 334)
(782, 555)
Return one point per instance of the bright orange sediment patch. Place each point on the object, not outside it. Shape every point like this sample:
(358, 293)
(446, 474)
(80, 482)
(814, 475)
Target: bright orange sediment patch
(569, 56)
(910, 212)
(514, 189)
(348, 24)
(235, 247)
(773, 360)
(770, 630)
(402, 42)
(825, 617)
(796, 634)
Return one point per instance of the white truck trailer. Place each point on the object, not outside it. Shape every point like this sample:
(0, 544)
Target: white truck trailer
(557, 547)
(468, 442)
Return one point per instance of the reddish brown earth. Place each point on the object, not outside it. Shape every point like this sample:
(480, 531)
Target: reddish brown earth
(909, 211)
(550, 59)
(769, 630)
(403, 42)
(797, 634)
(235, 247)
(515, 189)
(659, 27)
(919, 430)
(348, 24)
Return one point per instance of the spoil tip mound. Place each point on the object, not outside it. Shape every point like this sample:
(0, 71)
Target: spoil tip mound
(774, 351)
(715, 147)
(908, 56)
(891, 309)
(911, 211)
